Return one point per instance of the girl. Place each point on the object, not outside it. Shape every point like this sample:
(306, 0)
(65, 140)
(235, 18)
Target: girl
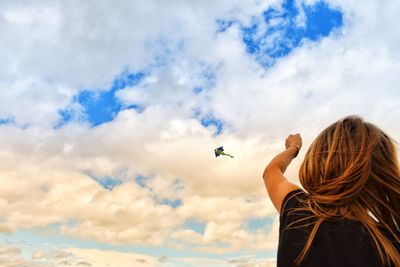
(348, 212)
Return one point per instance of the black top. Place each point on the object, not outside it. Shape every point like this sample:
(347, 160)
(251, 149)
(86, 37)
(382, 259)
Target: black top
(337, 243)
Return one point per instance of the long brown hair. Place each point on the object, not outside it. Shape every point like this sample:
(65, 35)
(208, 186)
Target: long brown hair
(351, 171)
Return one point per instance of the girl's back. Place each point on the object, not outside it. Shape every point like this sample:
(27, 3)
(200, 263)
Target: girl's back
(339, 242)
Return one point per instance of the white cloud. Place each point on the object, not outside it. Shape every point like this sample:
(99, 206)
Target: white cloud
(11, 256)
(104, 258)
(51, 50)
(38, 254)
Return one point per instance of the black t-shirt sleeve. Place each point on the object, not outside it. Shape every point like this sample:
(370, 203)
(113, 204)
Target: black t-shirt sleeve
(291, 242)
(290, 197)
(289, 202)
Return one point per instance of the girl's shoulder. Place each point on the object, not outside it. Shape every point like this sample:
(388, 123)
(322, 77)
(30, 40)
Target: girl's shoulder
(292, 199)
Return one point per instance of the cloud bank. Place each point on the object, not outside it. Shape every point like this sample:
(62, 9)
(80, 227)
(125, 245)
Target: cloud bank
(109, 114)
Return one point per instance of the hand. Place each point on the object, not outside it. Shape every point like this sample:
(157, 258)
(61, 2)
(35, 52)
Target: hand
(294, 140)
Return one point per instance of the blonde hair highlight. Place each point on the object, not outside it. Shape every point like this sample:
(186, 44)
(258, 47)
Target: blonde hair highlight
(351, 171)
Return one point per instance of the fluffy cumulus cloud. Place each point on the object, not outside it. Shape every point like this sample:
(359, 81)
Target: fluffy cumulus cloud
(109, 114)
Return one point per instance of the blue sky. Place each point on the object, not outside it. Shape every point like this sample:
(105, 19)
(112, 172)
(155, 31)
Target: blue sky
(102, 105)
(110, 115)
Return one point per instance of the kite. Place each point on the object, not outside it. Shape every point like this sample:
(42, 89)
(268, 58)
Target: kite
(220, 151)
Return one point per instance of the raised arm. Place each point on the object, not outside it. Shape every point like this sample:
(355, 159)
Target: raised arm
(275, 182)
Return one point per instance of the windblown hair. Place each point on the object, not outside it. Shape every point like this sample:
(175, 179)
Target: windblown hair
(351, 171)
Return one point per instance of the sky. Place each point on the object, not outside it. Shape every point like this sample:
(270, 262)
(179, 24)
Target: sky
(110, 112)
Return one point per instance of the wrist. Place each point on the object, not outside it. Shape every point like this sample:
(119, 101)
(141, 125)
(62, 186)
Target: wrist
(296, 149)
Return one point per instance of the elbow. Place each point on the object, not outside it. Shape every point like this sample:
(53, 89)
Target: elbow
(267, 171)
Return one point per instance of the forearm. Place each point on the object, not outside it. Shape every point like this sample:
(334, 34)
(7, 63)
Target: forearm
(283, 159)
(276, 183)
